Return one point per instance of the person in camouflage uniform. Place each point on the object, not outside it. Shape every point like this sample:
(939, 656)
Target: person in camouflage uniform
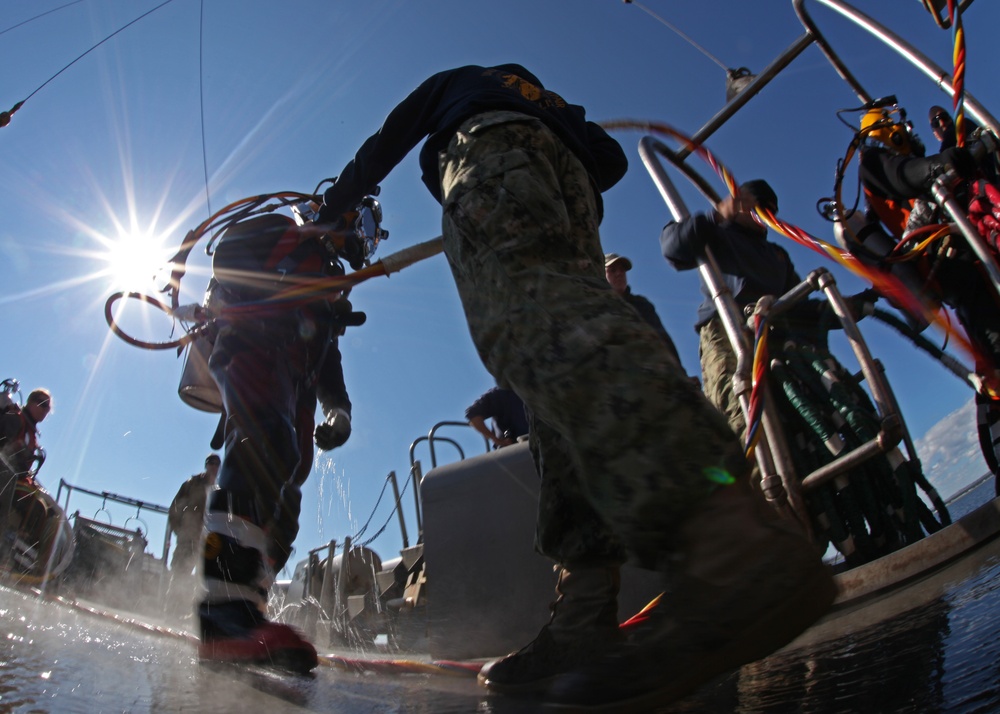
(616, 269)
(627, 448)
(186, 517)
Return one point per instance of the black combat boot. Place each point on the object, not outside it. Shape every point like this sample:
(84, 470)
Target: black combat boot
(584, 623)
(745, 586)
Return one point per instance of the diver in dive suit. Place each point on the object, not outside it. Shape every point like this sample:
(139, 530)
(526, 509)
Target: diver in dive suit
(897, 179)
(18, 451)
(271, 367)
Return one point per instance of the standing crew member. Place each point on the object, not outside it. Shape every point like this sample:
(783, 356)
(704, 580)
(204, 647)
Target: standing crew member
(186, 516)
(751, 267)
(615, 269)
(624, 439)
(506, 410)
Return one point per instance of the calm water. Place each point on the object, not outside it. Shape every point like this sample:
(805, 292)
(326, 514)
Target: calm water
(935, 648)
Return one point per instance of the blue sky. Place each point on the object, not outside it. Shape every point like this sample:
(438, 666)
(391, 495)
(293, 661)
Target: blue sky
(277, 96)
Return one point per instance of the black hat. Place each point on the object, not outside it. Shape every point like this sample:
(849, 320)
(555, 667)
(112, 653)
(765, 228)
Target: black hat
(212, 459)
(763, 193)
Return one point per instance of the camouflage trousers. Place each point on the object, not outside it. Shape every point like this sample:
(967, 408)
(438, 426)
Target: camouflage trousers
(718, 365)
(626, 445)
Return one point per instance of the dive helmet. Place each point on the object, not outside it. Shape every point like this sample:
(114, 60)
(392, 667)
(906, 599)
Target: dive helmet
(878, 125)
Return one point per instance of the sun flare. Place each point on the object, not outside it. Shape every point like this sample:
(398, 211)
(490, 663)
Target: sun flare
(134, 261)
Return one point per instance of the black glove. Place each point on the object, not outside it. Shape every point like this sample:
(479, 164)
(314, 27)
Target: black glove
(962, 160)
(345, 315)
(862, 304)
(325, 214)
(353, 250)
(346, 242)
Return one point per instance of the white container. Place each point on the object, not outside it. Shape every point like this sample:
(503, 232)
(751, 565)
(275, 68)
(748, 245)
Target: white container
(197, 388)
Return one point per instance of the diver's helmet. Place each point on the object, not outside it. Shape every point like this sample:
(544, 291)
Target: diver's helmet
(878, 125)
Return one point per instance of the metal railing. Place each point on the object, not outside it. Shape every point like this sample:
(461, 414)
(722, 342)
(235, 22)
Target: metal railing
(106, 496)
(778, 473)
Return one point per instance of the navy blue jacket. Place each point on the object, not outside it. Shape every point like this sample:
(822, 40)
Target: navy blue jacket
(505, 408)
(751, 266)
(438, 107)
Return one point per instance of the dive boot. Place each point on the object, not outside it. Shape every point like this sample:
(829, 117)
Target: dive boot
(583, 625)
(236, 632)
(744, 587)
(234, 628)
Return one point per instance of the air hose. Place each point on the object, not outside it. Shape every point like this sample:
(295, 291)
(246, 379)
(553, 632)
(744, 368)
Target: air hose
(873, 510)
(949, 362)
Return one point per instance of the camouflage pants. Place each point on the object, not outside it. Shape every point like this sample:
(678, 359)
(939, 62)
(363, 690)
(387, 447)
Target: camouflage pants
(718, 365)
(628, 442)
(187, 552)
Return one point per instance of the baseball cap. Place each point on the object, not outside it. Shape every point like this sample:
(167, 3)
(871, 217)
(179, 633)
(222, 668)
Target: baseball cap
(612, 258)
(761, 190)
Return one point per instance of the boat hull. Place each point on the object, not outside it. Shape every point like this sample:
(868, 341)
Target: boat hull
(491, 590)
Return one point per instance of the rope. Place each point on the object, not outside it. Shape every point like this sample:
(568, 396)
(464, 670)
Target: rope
(678, 32)
(402, 666)
(130, 622)
(385, 525)
(941, 22)
(901, 253)
(47, 12)
(361, 531)
(6, 116)
(755, 412)
(826, 413)
(201, 102)
(958, 75)
(873, 511)
(949, 362)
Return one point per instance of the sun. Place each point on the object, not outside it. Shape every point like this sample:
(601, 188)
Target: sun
(134, 261)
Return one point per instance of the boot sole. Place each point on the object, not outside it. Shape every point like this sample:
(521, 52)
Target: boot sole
(295, 659)
(538, 686)
(523, 689)
(271, 668)
(766, 634)
(289, 661)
